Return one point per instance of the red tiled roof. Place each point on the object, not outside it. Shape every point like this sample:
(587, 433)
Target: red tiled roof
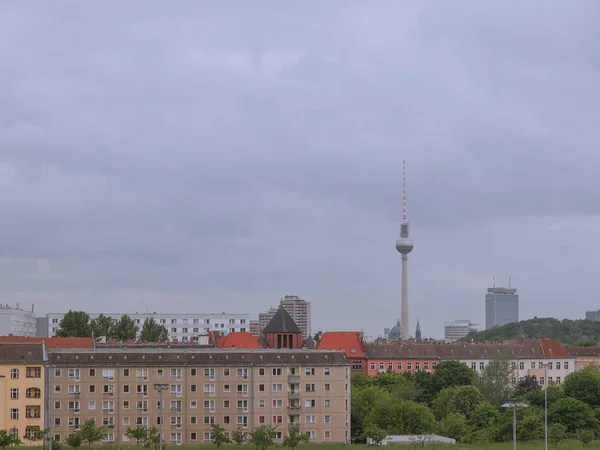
(576, 350)
(238, 339)
(52, 342)
(350, 341)
(554, 349)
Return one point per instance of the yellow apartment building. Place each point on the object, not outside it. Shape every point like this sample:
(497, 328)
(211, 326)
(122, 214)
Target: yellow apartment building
(22, 389)
(235, 388)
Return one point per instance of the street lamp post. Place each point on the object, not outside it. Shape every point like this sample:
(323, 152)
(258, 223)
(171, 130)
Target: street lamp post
(514, 406)
(545, 406)
(160, 388)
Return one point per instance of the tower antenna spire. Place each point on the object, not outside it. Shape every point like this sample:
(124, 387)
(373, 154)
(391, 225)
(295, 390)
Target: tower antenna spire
(404, 191)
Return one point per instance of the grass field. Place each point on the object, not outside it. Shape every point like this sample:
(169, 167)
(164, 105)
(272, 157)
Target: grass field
(534, 445)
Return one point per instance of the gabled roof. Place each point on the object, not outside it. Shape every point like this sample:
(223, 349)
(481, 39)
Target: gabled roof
(554, 349)
(309, 343)
(21, 353)
(282, 322)
(52, 342)
(397, 350)
(349, 342)
(238, 339)
(575, 350)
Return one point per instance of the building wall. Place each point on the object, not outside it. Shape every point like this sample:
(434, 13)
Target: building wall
(232, 396)
(454, 330)
(17, 322)
(180, 326)
(377, 366)
(501, 307)
(22, 399)
(557, 371)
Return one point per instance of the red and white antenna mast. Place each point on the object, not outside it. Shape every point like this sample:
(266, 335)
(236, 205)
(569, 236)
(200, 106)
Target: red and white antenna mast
(404, 190)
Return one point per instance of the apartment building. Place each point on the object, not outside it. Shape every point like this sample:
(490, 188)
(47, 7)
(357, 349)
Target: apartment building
(17, 321)
(298, 309)
(238, 389)
(181, 327)
(456, 329)
(21, 389)
(395, 357)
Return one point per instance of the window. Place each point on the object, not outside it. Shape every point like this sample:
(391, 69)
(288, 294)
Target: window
(550, 365)
(193, 404)
(226, 403)
(209, 373)
(309, 403)
(381, 366)
(57, 388)
(277, 403)
(277, 371)
(327, 387)
(56, 405)
(277, 419)
(209, 420)
(327, 371)
(57, 421)
(417, 365)
(14, 394)
(193, 388)
(312, 434)
(390, 366)
(566, 365)
(33, 372)
(309, 371)
(549, 380)
(74, 389)
(193, 420)
(521, 365)
(532, 364)
(226, 388)
(261, 388)
(242, 373)
(408, 366)
(481, 365)
(426, 366)
(176, 373)
(542, 380)
(540, 365)
(193, 372)
(173, 320)
(193, 436)
(310, 418)
(125, 372)
(261, 419)
(261, 371)
(557, 380)
(356, 365)
(372, 366)
(126, 421)
(75, 374)
(261, 403)
(327, 419)
(106, 373)
(327, 403)
(226, 372)
(14, 414)
(57, 372)
(310, 388)
(126, 404)
(557, 365)
(243, 388)
(277, 387)
(14, 374)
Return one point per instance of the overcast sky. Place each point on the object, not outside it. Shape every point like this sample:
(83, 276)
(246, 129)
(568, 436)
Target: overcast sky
(197, 156)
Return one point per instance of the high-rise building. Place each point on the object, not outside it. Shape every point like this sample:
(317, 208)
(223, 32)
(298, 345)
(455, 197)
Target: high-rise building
(501, 306)
(456, 329)
(592, 315)
(297, 308)
(182, 327)
(17, 321)
(404, 245)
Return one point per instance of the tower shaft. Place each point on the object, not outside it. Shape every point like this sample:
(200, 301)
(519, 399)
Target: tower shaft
(404, 319)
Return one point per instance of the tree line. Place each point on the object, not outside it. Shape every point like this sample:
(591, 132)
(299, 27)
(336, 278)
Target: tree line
(567, 332)
(457, 402)
(78, 324)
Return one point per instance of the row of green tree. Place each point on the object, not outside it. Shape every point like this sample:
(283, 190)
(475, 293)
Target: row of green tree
(567, 332)
(78, 324)
(262, 437)
(460, 403)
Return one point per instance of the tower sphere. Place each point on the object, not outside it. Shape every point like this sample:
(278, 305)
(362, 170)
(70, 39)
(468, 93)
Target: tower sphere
(404, 245)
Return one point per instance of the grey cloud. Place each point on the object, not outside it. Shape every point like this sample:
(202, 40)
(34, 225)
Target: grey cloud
(239, 151)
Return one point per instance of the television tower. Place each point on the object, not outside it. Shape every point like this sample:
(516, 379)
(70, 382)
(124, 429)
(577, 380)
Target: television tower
(404, 245)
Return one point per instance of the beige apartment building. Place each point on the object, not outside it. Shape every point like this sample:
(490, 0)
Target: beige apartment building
(238, 389)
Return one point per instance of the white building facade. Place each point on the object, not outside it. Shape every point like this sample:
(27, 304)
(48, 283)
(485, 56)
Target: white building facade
(17, 321)
(180, 326)
(456, 329)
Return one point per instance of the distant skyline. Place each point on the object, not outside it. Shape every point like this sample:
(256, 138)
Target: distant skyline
(211, 157)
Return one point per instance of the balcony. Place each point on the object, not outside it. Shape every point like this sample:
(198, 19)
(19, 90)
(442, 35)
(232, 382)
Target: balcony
(294, 378)
(176, 409)
(294, 408)
(242, 393)
(294, 394)
(33, 393)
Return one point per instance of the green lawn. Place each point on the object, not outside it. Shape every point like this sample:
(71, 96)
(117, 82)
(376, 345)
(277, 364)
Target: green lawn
(535, 445)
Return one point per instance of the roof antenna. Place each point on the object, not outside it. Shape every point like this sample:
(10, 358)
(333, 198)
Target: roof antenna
(404, 190)
(494, 281)
(509, 282)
